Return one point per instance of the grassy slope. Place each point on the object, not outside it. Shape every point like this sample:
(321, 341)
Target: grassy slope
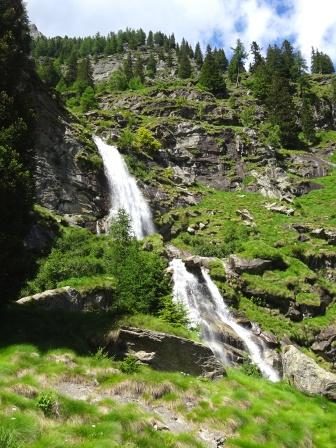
(249, 412)
(272, 237)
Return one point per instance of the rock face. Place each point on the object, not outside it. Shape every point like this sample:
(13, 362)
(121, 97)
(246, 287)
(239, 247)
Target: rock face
(70, 299)
(303, 373)
(65, 180)
(165, 352)
(325, 343)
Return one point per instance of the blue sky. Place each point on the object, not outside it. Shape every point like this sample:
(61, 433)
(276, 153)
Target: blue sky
(306, 22)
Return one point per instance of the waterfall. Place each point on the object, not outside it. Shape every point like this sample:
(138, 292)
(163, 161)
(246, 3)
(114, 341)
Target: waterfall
(124, 191)
(206, 308)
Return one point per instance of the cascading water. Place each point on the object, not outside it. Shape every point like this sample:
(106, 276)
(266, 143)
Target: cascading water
(124, 190)
(206, 308)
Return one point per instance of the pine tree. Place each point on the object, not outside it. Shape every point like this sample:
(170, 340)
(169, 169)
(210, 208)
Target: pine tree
(211, 76)
(198, 55)
(169, 59)
(307, 120)
(321, 63)
(128, 66)
(16, 124)
(71, 69)
(236, 66)
(139, 68)
(281, 111)
(221, 59)
(150, 39)
(151, 66)
(184, 69)
(84, 75)
(257, 57)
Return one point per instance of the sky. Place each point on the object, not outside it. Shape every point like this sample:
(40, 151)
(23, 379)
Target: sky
(306, 23)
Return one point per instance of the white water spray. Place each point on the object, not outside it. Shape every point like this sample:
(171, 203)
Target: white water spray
(124, 191)
(206, 308)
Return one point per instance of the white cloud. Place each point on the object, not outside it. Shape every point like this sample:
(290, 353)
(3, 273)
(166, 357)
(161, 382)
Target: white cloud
(310, 22)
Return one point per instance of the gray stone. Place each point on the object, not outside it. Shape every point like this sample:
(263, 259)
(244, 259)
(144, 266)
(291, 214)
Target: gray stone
(254, 266)
(304, 374)
(70, 299)
(280, 209)
(172, 353)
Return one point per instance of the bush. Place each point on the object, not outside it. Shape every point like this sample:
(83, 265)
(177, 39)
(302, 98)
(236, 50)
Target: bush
(130, 365)
(135, 84)
(270, 135)
(46, 401)
(145, 141)
(88, 100)
(250, 369)
(118, 80)
(126, 139)
(173, 313)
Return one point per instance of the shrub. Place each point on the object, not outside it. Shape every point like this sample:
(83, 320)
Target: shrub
(118, 80)
(250, 369)
(270, 135)
(126, 139)
(130, 365)
(145, 141)
(173, 313)
(46, 401)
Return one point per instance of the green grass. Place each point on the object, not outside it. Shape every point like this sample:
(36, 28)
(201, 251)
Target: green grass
(248, 411)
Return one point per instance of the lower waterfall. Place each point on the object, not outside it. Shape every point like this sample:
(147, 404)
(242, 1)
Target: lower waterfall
(124, 190)
(205, 307)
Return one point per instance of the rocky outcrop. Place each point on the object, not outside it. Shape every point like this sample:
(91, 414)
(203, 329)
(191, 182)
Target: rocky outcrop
(68, 176)
(70, 299)
(325, 344)
(164, 351)
(304, 374)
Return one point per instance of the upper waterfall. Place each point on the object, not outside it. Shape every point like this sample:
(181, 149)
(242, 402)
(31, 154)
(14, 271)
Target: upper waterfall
(124, 190)
(206, 308)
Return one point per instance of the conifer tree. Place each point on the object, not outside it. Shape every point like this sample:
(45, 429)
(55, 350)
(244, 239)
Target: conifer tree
(184, 69)
(150, 39)
(139, 68)
(307, 120)
(221, 60)
(211, 76)
(321, 63)
(169, 59)
(257, 57)
(84, 74)
(198, 55)
(128, 66)
(236, 66)
(71, 69)
(281, 111)
(15, 143)
(151, 66)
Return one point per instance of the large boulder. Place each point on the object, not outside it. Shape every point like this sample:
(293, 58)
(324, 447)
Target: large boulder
(302, 372)
(70, 299)
(165, 351)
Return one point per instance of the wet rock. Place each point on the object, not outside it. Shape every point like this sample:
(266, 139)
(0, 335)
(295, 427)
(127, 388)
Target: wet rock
(304, 374)
(70, 299)
(269, 339)
(172, 353)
